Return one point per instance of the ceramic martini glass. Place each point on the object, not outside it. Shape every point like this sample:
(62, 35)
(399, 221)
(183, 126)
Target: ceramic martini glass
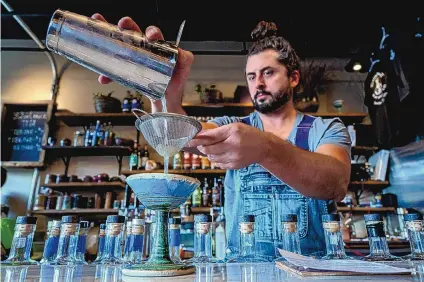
(160, 192)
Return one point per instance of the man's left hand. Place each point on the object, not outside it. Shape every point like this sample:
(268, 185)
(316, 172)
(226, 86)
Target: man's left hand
(232, 146)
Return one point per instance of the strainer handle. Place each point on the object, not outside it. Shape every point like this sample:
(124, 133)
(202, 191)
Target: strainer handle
(138, 117)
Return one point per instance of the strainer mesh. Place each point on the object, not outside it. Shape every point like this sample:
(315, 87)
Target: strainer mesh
(167, 133)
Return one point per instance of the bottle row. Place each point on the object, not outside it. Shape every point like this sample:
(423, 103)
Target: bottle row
(100, 200)
(132, 241)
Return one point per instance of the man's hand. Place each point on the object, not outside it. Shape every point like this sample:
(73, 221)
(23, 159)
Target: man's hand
(232, 146)
(174, 92)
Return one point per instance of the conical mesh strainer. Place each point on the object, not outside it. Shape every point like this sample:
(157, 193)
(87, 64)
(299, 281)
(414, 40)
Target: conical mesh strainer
(167, 133)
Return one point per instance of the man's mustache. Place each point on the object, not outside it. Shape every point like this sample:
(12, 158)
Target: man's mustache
(261, 92)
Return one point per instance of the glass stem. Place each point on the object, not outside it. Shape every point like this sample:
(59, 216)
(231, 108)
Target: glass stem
(160, 249)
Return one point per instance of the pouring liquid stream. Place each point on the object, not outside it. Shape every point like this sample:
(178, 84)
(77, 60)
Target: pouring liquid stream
(165, 157)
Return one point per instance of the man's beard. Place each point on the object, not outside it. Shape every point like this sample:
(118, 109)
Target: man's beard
(277, 101)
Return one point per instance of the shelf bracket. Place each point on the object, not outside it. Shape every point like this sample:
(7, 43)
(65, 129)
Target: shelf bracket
(358, 194)
(66, 160)
(119, 159)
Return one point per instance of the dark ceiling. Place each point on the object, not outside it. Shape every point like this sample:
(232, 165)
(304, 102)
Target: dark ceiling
(314, 29)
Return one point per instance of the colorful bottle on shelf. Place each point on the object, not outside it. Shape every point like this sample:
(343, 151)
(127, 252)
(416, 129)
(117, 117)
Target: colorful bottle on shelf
(114, 233)
(69, 230)
(20, 251)
(197, 198)
(51, 244)
(80, 244)
(101, 243)
(415, 225)
(333, 237)
(288, 237)
(137, 239)
(379, 248)
(174, 239)
(247, 244)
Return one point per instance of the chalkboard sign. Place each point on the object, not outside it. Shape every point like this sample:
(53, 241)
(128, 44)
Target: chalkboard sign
(25, 129)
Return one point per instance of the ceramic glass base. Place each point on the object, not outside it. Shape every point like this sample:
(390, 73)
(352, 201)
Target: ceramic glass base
(157, 270)
(16, 262)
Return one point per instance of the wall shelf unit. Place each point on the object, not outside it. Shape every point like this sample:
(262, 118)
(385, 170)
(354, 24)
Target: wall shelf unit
(68, 152)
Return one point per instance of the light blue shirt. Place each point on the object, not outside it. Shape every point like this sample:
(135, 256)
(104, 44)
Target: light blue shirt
(253, 190)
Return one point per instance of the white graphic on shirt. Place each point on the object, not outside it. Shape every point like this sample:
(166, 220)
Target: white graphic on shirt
(379, 85)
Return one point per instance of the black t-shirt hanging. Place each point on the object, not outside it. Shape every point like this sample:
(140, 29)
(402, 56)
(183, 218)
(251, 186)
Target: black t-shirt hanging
(382, 100)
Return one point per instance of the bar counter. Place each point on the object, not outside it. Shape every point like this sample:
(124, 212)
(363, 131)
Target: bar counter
(263, 272)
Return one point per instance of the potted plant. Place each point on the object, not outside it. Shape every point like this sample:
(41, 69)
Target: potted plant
(106, 103)
(313, 78)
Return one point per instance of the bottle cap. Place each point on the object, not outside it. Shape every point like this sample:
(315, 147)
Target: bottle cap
(56, 223)
(330, 217)
(247, 218)
(373, 217)
(412, 216)
(289, 218)
(70, 219)
(26, 220)
(174, 220)
(84, 224)
(115, 219)
(202, 218)
(138, 221)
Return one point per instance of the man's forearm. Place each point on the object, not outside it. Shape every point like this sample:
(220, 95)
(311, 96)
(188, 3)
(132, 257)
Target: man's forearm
(311, 174)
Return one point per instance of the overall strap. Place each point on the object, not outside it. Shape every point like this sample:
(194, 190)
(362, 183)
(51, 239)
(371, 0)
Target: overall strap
(302, 134)
(246, 120)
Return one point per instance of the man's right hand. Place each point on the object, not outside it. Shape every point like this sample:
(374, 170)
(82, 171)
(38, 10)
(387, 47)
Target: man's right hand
(174, 92)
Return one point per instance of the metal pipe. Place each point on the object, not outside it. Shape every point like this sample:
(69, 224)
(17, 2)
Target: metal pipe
(40, 44)
(24, 14)
(34, 184)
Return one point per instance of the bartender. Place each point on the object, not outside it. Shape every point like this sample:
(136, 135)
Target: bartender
(278, 159)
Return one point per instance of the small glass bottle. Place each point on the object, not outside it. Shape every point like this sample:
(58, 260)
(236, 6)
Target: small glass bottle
(80, 244)
(220, 236)
(69, 231)
(174, 239)
(202, 239)
(52, 242)
(101, 243)
(379, 249)
(333, 237)
(127, 239)
(114, 232)
(136, 247)
(20, 252)
(247, 244)
(288, 238)
(415, 226)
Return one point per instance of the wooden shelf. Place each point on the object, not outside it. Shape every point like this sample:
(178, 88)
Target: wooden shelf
(82, 151)
(243, 109)
(76, 211)
(84, 119)
(175, 171)
(88, 186)
(364, 244)
(365, 209)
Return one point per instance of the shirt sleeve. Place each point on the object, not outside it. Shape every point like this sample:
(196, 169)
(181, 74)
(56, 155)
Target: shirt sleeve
(336, 133)
(224, 120)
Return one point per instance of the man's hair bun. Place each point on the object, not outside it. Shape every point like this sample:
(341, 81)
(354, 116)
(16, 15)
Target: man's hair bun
(264, 29)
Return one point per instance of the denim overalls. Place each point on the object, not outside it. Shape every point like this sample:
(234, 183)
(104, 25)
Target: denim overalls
(258, 192)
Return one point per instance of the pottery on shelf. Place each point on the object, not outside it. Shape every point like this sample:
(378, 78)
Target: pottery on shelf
(338, 104)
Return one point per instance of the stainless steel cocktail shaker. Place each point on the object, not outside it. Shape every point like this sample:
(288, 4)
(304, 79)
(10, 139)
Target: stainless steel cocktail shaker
(124, 56)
